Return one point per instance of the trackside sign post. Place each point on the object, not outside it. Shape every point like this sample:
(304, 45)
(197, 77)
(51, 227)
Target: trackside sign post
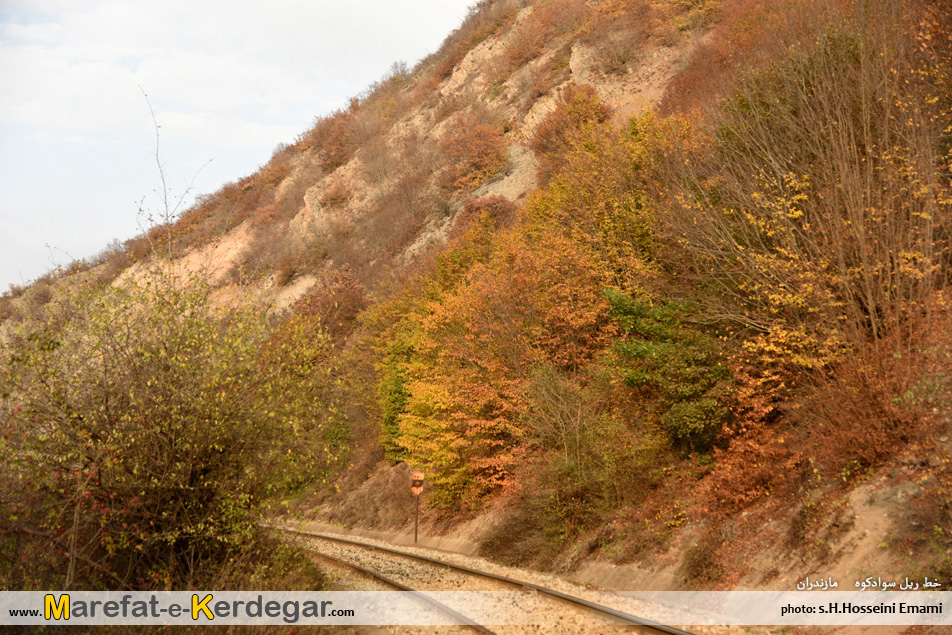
(416, 486)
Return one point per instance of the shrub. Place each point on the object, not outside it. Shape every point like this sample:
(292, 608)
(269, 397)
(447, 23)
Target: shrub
(595, 458)
(475, 149)
(700, 564)
(138, 248)
(142, 431)
(749, 34)
(289, 197)
(525, 536)
(617, 31)
(579, 107)
(538, 80)
(379, 161)
(562, 17)
(329, 137)
(493, 212)
(524, 43)
(399, 214)
(484, 19)
(548, 21)
(335, 192)
(823, 210)
(392, 395)
(600, 195)
(7, 310)
(334, 302)
(683, 365)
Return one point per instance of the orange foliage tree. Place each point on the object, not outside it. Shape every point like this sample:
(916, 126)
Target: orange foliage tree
(468, 354)
(475, 150)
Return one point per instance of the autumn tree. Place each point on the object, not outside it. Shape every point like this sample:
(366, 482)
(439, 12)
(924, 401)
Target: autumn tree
(475, 150)
(824, 208)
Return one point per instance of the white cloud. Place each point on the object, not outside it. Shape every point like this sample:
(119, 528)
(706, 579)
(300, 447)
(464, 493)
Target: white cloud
(52, 89)
(225, 131)
(227, 79)
(82, 140)
(75, 65)
(43, 33)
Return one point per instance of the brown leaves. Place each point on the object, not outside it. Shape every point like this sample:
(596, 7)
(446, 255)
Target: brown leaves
(475, 150)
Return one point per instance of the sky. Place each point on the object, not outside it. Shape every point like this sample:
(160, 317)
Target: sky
(227, 80)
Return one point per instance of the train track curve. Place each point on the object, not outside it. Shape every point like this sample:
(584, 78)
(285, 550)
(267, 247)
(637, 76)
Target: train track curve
(608, 614)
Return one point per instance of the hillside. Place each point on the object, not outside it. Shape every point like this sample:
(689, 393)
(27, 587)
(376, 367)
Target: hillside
(653, 291)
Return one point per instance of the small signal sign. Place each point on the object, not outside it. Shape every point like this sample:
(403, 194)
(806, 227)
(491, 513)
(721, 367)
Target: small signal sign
(416, 483)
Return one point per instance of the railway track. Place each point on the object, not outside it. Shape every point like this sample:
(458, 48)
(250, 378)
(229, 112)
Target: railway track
(432, 574)
(377, 577)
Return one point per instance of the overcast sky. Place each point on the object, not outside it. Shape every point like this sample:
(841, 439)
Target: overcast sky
(228, 81)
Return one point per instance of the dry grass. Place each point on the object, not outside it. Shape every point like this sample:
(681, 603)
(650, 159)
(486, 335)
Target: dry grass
(383, 500)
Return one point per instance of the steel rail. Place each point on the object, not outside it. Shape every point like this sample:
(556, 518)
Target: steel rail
(463, 620)
(593, 606)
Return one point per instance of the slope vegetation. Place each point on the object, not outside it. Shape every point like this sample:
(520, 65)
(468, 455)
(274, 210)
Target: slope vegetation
(657, 282)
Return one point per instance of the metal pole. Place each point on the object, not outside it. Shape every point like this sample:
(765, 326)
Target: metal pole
(416, 519)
